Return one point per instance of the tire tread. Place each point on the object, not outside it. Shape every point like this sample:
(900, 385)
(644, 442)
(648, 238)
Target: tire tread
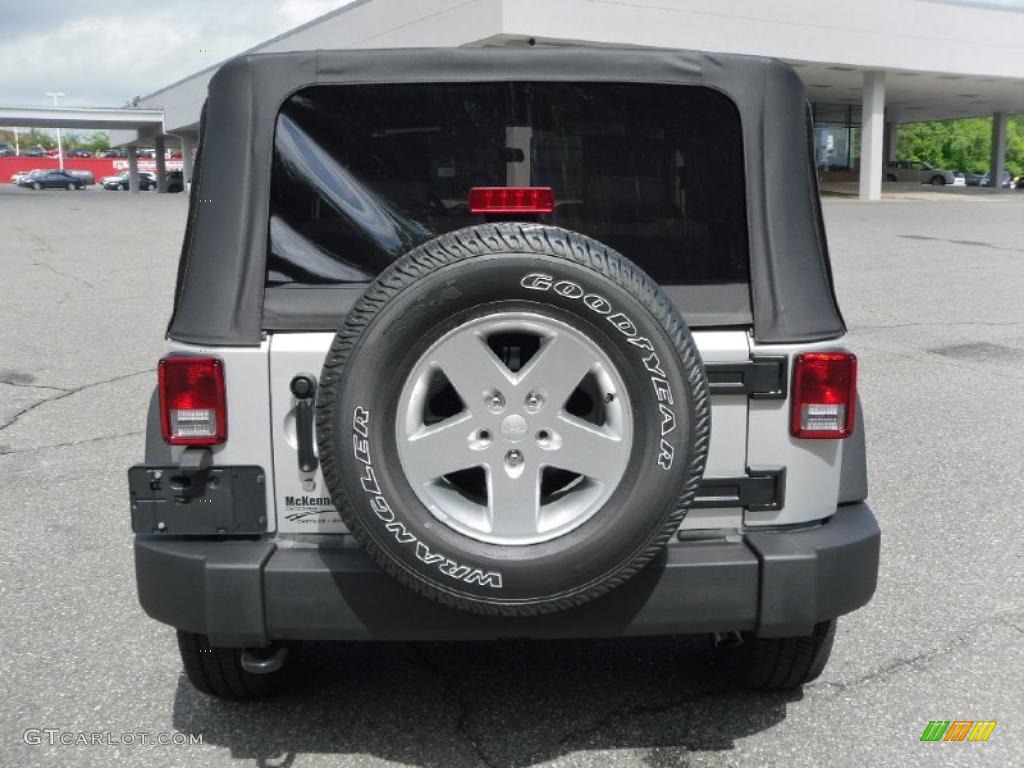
(218, 671)
(779, 663)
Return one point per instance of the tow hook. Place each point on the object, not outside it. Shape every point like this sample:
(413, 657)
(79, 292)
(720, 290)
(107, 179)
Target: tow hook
(263, 666)
(727, 640)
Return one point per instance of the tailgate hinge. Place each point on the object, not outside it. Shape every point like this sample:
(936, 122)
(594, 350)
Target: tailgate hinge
(758, 491)
(763, 377)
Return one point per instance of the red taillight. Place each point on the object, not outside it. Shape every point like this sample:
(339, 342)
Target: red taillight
(824, 395)
(511, 200)
(193, 410)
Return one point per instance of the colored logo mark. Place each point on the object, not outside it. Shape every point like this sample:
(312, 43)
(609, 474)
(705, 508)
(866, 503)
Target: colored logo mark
(958, 730)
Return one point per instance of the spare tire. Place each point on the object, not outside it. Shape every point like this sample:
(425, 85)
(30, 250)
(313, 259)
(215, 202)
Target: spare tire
(513, 419)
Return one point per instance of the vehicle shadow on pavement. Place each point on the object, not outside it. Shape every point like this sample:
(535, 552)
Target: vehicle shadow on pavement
(507, 703)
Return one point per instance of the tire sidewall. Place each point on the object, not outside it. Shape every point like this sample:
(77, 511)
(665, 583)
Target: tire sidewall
(380, 506)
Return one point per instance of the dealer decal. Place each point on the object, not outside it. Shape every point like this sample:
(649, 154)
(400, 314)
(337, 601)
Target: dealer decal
(368, 481)
(538, 281)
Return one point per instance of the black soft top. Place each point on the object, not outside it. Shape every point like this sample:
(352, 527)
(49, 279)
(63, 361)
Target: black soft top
(219, 298)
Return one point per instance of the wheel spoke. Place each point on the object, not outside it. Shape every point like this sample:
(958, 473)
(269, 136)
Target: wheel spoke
(440, 449)
(513, 501)
(471, 367)
(592, 451)
(557, 368)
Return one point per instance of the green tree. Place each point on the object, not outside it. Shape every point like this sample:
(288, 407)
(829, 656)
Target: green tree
(96, 141)
(961, 145)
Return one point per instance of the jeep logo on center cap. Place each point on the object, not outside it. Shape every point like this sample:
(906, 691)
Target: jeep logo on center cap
(513, 428)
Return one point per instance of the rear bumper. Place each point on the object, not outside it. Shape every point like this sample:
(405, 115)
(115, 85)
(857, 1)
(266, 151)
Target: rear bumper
(250, 592)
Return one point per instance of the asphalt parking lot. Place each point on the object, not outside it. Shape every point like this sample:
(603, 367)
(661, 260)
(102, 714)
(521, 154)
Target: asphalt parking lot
(931, 291)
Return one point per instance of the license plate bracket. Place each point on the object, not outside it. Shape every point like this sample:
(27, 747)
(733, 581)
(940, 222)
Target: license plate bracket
(217, 500)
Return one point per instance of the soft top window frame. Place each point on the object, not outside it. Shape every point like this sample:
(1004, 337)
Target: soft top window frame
(221, 300)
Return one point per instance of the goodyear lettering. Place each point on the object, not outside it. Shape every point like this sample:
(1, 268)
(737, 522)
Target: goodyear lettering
(597, 303)
(668, 419)
(623, 323)
(666, 455)
(568, 289)
(653, 364)
(540, 281)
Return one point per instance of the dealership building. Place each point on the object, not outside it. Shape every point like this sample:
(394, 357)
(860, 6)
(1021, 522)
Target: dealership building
(868, 67)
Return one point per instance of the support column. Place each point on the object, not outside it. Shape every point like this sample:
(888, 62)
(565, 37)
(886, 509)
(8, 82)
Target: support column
(998, 163)
(892, 141)
(161, 165)
(133, 170)
(872, 134)
(188, 148)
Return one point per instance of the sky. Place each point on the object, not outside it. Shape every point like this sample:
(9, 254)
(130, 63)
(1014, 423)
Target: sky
(103, 53)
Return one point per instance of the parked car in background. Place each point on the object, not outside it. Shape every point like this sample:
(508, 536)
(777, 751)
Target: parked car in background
(86, 176)
(77, 153)
(18, 175)
(113, 153)
(959, 179)
(174, 181)
(6, 150)
(120, 183)
(34, 152)
(923, 173)
(973, 178)
(986, 180)
(53, 179)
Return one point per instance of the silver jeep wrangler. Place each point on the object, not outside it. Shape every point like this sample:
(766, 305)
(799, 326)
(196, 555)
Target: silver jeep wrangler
(473, 344)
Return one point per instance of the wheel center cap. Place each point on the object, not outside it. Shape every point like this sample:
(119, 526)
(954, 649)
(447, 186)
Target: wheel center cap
(513, 428)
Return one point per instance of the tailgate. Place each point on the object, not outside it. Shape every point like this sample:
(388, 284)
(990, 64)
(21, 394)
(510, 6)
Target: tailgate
(303, 504)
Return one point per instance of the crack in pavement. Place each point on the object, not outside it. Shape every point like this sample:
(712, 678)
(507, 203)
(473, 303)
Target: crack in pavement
(60, 273)
(898, 663)
(966, 323)
(972, 243)
(685, 701)
(49, 249)
(630, 711)
(67, 393)
(461, 704)
(29, 233)
(31, 386)
(73, 442)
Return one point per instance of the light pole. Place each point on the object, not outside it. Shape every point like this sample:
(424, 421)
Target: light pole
(60, 149)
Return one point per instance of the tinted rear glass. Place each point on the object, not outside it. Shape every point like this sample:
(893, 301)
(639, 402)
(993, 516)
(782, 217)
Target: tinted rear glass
(364, 173)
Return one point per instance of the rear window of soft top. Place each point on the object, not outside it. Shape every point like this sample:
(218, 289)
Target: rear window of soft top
(364, 173)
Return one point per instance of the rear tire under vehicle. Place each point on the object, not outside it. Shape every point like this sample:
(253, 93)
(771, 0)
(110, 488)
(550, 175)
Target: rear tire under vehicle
(778, 663)
(219, 671)
(938, 181)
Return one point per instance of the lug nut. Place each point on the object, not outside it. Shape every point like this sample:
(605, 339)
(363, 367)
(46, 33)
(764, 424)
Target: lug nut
(514, 458)
(534, 401)
(495, 401)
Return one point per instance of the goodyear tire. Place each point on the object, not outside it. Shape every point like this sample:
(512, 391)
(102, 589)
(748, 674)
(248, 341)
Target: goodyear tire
(513, 419)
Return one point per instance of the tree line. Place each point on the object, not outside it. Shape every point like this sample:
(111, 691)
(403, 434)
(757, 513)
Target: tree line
(95, 141)
(961, 145)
